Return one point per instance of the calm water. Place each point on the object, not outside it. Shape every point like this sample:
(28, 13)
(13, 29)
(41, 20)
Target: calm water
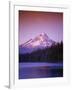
(40, 70)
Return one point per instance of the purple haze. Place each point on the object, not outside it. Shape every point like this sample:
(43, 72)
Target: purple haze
(32, 23)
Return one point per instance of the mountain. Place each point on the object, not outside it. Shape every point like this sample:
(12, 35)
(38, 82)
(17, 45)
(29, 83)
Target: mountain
(40, 42)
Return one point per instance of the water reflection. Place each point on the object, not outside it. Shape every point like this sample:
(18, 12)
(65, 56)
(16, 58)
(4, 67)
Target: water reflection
(40, 71)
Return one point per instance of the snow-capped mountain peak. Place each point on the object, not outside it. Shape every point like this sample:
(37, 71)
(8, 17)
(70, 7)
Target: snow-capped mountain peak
(39, 42)
(42, 40)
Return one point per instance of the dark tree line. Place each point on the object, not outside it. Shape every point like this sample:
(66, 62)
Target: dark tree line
(49, 54)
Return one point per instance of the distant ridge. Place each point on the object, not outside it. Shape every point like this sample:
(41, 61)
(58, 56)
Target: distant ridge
(39, 42)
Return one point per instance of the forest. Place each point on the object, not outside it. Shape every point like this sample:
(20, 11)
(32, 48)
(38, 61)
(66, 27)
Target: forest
(53, 54)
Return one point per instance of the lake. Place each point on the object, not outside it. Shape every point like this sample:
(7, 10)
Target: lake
(40, 70)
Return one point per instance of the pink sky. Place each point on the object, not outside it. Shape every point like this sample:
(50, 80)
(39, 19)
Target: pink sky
(32, 23)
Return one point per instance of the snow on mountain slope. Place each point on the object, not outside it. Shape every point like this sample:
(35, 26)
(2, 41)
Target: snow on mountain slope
(39, 42)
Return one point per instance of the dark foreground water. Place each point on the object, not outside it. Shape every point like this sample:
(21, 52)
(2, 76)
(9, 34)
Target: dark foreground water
(40, 70)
